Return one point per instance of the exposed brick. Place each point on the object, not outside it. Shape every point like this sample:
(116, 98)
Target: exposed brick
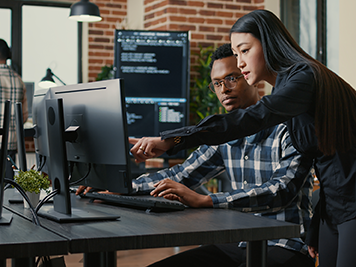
(101, 40)
(149, 16)
(95, 46)
(208, 22)
(178, 2)
(224, 14)
(104, 12)
(95, 61)
(146, 2)
(96, 32)
(206, 29)
(250, 8)
(214, 37)
(214, 21)
(206, 13)
(195, 36)
(196, 20)
(215, 6)
(232, 7)
(196, 3)
(161, 4)
(111, 5)
(178, 18)
(187, 11)
(102, 26)
(224, 30)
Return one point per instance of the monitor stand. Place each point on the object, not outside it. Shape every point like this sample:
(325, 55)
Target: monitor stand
(76, 215)
(61, 210)
(5, 217)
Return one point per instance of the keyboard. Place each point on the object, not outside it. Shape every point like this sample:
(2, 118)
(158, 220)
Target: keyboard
(147, 202)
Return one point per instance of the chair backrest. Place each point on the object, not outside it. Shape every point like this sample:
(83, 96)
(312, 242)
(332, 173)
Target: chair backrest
(4, 131)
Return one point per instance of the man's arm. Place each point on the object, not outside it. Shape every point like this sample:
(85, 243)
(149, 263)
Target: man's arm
(202, 165)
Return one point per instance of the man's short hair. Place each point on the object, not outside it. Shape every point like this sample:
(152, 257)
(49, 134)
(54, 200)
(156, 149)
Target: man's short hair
(220, 53)
(5, 52)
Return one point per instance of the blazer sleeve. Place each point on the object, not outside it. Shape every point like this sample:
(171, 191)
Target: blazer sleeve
(292, 95)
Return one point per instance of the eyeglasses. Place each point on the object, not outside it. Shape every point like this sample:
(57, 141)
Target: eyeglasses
(230, 82)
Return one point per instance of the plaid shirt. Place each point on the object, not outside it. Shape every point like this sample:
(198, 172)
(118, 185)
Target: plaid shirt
(267, 175)
(12, 88)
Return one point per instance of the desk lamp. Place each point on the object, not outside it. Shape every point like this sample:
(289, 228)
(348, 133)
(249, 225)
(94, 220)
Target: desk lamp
(48, 81)
(84, 11)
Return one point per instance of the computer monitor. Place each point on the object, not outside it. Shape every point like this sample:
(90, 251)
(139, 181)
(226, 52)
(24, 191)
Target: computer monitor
(40, 137)
(155, 66)
(90, 119)
(5, 217)
(30, 89)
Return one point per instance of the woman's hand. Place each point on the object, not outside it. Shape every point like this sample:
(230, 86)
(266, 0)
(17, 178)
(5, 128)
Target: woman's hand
(313, 252)
(149, 147)
(176, 191)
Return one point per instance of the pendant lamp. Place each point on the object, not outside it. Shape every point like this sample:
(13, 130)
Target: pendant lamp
(85, 11)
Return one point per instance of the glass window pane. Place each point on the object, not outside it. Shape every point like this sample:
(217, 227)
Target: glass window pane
(49, 40)
(5, 29)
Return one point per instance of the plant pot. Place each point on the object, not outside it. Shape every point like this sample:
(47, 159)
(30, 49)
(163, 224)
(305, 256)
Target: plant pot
(34, 199)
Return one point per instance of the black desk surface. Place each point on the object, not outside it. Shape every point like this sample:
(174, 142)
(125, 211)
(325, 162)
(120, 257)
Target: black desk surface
(137, 229)
(21, 238)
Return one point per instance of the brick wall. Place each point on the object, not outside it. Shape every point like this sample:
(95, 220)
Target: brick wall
(208, 21)
(101, 34)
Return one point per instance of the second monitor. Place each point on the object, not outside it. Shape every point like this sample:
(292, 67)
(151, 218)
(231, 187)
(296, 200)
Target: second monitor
(94, 137)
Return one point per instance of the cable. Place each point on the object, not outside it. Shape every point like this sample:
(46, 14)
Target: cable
(81, 179)
(45, 199)
(40, 167)
(24, 195)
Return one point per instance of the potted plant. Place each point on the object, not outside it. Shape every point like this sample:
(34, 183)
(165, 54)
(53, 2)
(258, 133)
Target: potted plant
(32, 182)
(203, 102)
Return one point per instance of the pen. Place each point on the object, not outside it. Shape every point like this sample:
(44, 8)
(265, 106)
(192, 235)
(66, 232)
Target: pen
(13, 163)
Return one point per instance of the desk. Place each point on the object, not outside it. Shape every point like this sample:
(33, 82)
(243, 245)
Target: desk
(137, 229)
(23, 240)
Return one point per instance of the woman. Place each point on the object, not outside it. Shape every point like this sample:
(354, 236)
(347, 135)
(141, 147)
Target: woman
(319, 109)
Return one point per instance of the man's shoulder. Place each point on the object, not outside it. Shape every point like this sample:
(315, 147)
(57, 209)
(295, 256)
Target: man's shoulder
(278, 132)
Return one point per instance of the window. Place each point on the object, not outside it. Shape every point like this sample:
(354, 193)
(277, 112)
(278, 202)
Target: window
(5, 29)
(306, 21)
(41, 36)
(49, 40)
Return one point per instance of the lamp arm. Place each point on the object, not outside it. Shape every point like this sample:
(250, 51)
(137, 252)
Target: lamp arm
(58, 78)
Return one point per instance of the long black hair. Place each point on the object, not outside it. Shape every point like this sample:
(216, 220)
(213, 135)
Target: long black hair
(335, 99)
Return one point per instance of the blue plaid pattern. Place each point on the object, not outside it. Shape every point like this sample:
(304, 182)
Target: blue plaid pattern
(268, 177)
(12, 88)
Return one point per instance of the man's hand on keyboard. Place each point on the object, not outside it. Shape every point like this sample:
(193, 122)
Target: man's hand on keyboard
(85, 189)
(176, 191)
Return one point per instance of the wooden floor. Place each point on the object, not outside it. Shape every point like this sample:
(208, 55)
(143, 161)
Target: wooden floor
(128, 258)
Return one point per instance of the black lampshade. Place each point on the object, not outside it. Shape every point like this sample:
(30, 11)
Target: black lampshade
(47, 81)
(85, 11)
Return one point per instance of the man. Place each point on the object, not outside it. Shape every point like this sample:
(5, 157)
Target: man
(11, 88)
(266, 173)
